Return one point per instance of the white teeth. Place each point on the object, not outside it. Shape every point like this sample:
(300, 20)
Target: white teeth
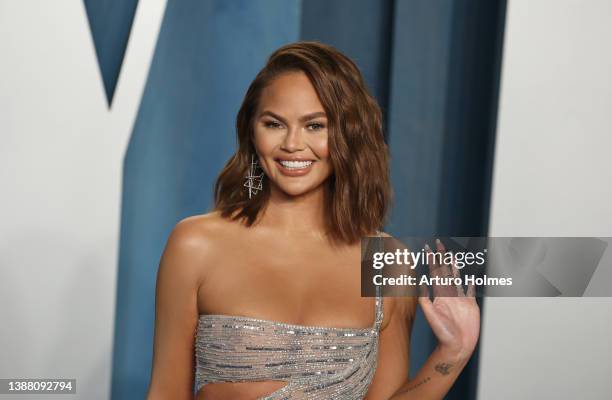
(295, 164)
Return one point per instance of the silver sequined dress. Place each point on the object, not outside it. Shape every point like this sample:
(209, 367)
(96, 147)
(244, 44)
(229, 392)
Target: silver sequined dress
(316, 362)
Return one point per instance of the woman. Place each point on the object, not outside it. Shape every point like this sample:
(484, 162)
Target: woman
(260, 298)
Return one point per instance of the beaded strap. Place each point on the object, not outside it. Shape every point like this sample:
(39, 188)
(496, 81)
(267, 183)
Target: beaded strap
(379, 315)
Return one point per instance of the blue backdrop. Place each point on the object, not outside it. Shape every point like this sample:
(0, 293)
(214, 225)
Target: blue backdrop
(433, 66)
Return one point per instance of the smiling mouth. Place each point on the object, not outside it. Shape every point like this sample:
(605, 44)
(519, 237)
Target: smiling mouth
(295, 164)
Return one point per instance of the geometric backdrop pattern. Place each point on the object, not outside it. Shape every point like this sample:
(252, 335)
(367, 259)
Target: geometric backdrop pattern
(110, 23)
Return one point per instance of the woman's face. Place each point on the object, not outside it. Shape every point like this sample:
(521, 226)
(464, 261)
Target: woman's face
(290, 134)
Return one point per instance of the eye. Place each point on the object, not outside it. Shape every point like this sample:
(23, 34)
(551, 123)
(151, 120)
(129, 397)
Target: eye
(315, 126)
(272, 124)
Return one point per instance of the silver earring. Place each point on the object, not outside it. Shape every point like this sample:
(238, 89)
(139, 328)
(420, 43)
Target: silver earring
(253, 179)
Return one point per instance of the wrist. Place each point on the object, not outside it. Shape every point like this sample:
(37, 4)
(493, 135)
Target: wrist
(454, 355)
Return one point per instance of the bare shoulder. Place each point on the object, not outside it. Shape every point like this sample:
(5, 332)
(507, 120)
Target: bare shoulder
(206, 225)
(193, 243)
(203, 230)
(193, 234)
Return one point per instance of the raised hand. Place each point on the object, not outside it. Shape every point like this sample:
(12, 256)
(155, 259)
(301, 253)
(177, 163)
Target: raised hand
(454, 314)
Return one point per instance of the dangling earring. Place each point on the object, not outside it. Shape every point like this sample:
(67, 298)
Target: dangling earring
(254, 180)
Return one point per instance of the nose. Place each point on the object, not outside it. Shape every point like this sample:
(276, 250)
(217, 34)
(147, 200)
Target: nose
(293, 140)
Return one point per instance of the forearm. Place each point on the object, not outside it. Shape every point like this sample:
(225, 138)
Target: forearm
(434, 379)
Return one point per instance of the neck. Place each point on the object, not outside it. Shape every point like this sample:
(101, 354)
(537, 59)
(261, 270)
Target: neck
(303, 214)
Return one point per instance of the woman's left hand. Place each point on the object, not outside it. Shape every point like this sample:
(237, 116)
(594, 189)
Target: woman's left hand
(454, 315)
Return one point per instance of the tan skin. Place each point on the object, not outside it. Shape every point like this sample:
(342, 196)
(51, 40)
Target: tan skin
(282, 269)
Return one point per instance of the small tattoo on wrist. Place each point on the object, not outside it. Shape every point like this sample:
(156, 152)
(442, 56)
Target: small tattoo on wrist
(443, 368)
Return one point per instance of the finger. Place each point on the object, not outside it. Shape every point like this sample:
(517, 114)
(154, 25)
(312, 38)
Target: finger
(428, 308)
(471, 290)
(424, 300)
(431, 266)
(439, 269)
(457, 276)
(435, 268)
(423, 291)
(445, 269)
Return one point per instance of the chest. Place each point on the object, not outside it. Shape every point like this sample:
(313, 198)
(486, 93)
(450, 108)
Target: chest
(278, 282)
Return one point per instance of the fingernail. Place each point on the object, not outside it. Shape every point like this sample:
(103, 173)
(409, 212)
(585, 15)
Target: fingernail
(437, 241)
(427, 247)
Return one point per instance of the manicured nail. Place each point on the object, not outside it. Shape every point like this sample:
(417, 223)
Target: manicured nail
(427, 247)
(437, 241)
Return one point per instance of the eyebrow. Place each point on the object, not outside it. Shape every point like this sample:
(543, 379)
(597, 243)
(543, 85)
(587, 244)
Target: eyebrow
(303, 118)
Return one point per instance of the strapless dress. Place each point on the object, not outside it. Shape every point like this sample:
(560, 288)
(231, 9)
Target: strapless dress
(316, 362)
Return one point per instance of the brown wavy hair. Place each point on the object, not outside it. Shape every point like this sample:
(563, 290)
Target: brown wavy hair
(358, 192)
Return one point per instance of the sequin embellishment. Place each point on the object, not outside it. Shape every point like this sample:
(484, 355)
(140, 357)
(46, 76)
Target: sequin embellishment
(316, 362)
